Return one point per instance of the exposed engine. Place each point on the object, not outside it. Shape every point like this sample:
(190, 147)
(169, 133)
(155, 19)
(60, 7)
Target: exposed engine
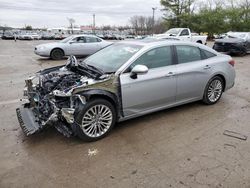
(51, 101)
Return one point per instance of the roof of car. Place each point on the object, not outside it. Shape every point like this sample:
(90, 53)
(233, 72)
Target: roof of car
(152, 42)
(159, 42)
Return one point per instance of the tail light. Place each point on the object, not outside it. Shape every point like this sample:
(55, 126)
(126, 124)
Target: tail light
(232, 62)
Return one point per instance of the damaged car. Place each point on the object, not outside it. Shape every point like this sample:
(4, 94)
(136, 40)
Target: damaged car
(86, 98)
(236, 43)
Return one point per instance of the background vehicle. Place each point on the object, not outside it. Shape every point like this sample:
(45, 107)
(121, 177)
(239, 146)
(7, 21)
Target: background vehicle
(123, 81)
(8, 35)
(78, 45)
(234, 43)
(183, 34)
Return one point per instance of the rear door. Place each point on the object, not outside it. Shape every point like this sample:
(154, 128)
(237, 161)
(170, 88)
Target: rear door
(73, 46)
(157, 88)
(193, 71)
(92, 44)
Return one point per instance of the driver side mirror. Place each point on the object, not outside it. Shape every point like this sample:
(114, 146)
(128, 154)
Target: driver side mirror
(138, 70)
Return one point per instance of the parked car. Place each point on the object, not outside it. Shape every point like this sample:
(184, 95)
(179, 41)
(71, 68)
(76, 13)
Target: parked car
(234, 43)
(47, 36)
(79, 45)
(29, 36)
(7, 35)
(123, 81)
(183, 34)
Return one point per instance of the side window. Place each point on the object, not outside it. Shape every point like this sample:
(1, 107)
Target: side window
(78, 40)
(184, 32)
(187, 54)
(91, 39)
(207, 54)
(158, 57)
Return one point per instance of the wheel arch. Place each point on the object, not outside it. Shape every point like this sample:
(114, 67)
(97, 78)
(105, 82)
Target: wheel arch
(103, 94)
(199, 41)
(223, 78)
(56, 49)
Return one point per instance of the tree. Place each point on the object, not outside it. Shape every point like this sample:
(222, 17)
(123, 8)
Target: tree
(175, 9)
(28, 27)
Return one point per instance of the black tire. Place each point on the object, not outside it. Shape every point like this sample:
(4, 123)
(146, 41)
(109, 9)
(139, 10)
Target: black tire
(79, 117)
(56, 54)
(206, 98)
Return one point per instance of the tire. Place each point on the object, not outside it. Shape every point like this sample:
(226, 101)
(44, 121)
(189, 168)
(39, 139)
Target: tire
(86, 115)
(213, 90)
(56, 54)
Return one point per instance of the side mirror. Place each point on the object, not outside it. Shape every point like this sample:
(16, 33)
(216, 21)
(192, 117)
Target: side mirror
(138, 70)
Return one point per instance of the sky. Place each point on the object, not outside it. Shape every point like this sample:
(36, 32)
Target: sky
(54, 13)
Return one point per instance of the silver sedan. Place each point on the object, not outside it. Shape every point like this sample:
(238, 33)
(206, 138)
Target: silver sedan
(123, 81)
(78, 45)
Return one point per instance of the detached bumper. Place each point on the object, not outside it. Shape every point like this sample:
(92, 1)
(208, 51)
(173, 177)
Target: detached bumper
(30, 124)
(27, 121)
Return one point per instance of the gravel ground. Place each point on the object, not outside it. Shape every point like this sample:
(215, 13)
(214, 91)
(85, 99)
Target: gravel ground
(178, 147)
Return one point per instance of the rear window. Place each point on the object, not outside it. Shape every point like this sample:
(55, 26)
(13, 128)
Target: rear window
(187, 54)
(207, 54)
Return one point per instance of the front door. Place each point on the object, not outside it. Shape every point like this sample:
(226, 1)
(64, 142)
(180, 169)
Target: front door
(157, 88)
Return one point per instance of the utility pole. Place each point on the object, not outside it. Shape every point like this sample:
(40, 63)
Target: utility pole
(153, 24)
(93, 23)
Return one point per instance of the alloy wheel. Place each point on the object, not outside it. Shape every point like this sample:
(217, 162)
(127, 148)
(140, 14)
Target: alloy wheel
(97, 120)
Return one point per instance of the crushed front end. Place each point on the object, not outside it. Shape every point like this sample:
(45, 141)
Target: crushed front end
(50, 100)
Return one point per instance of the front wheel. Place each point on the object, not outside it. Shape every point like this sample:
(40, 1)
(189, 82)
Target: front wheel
(96, 120)
(213, 90)
(57, 54)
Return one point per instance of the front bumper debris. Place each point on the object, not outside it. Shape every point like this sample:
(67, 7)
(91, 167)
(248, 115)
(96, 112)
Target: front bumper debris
(28, 122)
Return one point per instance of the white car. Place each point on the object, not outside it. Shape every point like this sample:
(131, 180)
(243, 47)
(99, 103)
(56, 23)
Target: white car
(183, 34)
(29, 36)
(78, 45)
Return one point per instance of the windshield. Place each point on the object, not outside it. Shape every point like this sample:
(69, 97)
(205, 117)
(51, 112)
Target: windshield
(66, 39)
(174, 31)
(112, 57)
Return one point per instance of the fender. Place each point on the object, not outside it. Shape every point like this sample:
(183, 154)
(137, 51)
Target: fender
(112, 97)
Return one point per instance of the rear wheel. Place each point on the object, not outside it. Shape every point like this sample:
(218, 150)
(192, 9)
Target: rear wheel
(57, 54)
(96, 120)
(213, 90)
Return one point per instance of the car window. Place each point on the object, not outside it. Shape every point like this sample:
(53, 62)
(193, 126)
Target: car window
(184, 32)
(158, 57)
(91, 39)
(187, 54)
(207, 54)
(78, 40)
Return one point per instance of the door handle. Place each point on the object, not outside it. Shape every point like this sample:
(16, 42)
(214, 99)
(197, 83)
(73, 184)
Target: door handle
(169, 74)
(207, 67)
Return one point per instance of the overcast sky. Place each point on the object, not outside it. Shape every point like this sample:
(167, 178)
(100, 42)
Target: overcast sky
(54, 13)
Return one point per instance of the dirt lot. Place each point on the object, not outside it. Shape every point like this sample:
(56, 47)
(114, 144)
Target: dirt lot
(179, 147)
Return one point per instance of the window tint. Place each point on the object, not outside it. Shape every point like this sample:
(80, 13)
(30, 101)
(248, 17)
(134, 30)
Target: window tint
(188, 54)
(78, 40)
(158, 57)
(184, 32)
(91, 39)
(208, 54)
